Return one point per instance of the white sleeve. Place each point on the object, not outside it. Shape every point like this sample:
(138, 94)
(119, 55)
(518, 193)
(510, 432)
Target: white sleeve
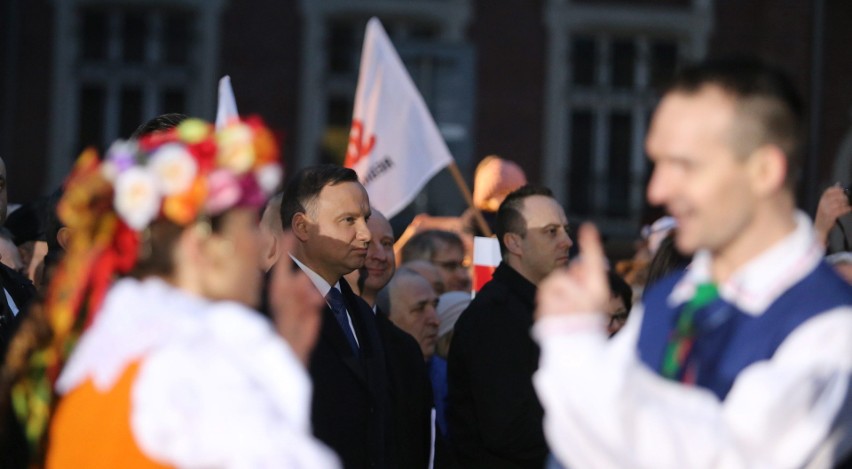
(606, 409)
(194, 406)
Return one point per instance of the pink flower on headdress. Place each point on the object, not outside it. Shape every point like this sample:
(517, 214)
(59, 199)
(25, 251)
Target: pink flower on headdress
(223, 191)
(252, 194)
(268, 177)
(120, 157)
(236, 148)
(137, 199)
(175, 168)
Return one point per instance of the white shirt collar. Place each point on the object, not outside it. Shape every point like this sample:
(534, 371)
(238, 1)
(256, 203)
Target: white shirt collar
(322, 286)
(758, 283)
(11, 303)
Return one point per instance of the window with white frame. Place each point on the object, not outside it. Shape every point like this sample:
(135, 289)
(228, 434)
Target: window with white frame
(121, 62)
(607, 64)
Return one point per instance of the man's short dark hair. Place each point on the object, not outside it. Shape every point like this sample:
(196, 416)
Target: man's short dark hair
(509, 216)
(306, 185)
(769, 108)
(423, 245)
(160, 123)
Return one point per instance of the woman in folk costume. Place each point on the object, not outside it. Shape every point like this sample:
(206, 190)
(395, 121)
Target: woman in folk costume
(155, 356)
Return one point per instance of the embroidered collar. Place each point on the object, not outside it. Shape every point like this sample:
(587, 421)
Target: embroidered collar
(764, 278)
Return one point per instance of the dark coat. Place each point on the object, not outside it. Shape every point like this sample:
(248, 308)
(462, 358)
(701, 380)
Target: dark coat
(13, 445)
(493, 414)
(22, 291)
(351, 409)
(411, 396)
(373, 409)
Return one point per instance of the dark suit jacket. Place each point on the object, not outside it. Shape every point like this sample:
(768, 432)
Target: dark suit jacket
(493, 414)
(13, 444)
(411, 395)
(22, 291)
(352, 410)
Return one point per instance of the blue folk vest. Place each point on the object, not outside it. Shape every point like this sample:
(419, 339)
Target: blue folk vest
(728, 340)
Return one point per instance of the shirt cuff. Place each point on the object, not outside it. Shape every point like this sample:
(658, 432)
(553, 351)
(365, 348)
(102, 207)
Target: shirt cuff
(569, 325)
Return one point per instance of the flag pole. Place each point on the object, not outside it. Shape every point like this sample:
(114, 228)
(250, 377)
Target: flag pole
(480, 221)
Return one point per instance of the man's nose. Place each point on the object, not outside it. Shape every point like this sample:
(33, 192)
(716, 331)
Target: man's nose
(658, 188)
(363, 232)
(565, 242)
(432, 316)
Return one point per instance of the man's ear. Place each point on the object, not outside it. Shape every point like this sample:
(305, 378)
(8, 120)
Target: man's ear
(513, 243)
(301, 226)
(272, 252)
(63, 236)
(767, 169)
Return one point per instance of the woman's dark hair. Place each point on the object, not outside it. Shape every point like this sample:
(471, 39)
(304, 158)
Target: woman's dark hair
(159, 124)
(666, 260)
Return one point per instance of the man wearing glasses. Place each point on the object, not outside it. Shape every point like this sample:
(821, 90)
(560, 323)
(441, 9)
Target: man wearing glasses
(494, 417)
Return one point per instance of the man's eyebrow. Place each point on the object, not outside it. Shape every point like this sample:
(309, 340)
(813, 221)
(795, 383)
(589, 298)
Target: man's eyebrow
(551, 225)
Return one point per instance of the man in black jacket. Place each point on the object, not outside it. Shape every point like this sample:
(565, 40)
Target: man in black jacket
(494, 417)
(16, 291)
(353, 365)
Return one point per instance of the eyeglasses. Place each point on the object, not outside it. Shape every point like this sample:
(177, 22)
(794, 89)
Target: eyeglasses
(618, 319)
(452, 265)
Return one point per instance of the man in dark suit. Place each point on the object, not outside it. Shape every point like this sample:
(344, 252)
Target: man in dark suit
(411, 391)
(354, 379)
(16, 291)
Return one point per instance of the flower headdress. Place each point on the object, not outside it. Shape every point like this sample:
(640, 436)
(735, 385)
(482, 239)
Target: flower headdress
(180, 175)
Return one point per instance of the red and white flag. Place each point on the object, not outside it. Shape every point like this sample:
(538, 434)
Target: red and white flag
(486, 258)
(394, 144)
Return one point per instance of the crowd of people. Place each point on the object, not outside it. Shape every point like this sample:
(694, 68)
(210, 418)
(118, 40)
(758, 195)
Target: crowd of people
(175, 305)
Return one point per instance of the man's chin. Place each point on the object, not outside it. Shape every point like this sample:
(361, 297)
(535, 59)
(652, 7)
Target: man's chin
(685, 245)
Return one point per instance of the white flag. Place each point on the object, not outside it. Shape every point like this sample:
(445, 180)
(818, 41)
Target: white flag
(227, 108)
(394, 144)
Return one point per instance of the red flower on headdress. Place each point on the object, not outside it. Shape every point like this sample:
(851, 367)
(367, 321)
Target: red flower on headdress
(204, 153)
(156, 139)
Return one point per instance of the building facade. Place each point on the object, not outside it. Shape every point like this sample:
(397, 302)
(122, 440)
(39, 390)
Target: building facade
(563, 87)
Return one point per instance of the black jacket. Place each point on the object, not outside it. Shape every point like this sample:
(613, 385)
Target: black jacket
(13, 445)
(411, 396)
(370, 409)
(22, 291)
(493, 414)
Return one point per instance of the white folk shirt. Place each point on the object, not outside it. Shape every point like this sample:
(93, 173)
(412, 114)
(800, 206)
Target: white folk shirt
(605, 409)
(217, 386)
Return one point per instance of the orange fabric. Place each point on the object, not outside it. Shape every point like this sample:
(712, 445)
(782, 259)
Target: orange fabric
(91, 429)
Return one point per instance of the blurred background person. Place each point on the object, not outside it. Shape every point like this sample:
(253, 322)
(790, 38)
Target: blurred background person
(446, 251)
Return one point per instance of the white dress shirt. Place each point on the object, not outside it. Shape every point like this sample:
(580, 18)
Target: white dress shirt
(605, 409)
(324, 288)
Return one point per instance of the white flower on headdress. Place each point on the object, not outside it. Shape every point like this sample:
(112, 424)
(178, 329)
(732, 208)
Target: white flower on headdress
(236, 148)
(268, 177)
(120, 157)
(137, 198)
(174, 167)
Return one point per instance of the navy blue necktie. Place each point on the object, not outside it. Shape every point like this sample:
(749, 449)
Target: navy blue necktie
(338, 307)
